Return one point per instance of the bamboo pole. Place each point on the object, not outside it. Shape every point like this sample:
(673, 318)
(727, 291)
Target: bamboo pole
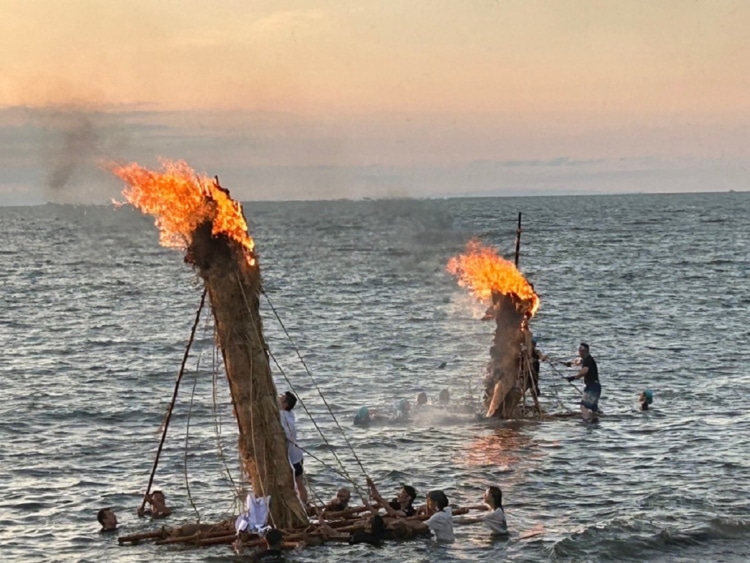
(172, 402)
(518, 240)
(132, 538)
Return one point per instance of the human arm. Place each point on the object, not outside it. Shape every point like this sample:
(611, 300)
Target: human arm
(581, 373)
(377, 497)
(473, 519)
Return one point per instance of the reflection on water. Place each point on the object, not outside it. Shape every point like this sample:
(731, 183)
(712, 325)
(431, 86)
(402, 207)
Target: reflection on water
(505, 447)
(94, 331)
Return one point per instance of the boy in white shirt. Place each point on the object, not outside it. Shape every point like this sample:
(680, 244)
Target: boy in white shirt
(289, 424)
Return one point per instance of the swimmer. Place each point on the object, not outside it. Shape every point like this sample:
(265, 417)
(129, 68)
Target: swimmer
(444, 398)
(646, 398)
(107, 518)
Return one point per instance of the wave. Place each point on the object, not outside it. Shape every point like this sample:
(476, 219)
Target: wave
(621, 540)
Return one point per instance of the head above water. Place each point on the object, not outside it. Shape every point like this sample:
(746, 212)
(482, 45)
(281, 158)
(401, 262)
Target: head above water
(494, 496)
(583, 349)
(403, 407)
(107, 519)
(436, 500)
(343, 495)
(362, 417)
(444, 397)
(406, 496)
(421, 398)
(647, 396)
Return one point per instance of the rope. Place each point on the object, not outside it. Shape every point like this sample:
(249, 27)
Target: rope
(187, 437)
(315, 383)
(302, 403)
(174, 398)
(558, 372)
(320, 431)
(218, 425)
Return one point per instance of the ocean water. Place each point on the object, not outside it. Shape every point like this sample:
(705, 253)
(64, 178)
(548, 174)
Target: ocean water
(96, 316)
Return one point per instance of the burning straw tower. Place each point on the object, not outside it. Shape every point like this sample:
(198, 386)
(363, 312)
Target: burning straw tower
(512, 303)
(195, 215)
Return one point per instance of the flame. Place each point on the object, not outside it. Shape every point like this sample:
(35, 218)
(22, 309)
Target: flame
(483, 271)
(181, 200)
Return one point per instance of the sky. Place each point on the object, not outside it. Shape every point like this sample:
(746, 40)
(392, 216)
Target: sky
(383, 98)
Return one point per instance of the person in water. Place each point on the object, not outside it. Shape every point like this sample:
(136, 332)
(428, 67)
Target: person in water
(273, 547)
(646, 398)
(440, 520)
(402, 410)
(287, 401)
(536, 357)
(402, 505)
(444, 398)
(108, 519)
(421, 399)
(590, 374)
(366, 416)
(374, 536)
(340, 501)
(159, 508)
(495, 518)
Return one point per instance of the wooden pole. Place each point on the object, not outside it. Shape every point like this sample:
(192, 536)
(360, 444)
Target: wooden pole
(232, 277)
(174, 398)
(518, 239)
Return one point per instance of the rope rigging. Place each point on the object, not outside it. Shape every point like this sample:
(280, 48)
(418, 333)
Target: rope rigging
(174, 398)
(315, 383)
(307, 411)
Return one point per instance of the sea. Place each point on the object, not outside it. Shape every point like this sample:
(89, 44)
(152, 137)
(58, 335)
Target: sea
(359, 311)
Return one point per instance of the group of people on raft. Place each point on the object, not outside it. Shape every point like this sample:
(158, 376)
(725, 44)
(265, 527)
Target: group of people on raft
(400, 519)
(435, 517)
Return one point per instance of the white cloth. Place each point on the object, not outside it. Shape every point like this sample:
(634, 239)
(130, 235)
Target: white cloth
(496, 522)
(289, 424)
(255, 516)
(441, 525)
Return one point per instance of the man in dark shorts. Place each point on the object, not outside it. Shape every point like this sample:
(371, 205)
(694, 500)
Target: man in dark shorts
(590, 374)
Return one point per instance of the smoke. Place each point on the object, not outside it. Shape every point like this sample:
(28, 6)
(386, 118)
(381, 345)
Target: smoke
(78, 147)
(75, 142)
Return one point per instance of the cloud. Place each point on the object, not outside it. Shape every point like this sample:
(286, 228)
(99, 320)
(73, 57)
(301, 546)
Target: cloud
(290, 22)
(55, 154)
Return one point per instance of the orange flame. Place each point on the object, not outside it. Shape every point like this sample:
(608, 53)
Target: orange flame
(181, 200)
(483, 271)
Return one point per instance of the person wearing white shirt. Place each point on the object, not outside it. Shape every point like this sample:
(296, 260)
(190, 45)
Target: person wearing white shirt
(286, 404)
(495, 518)
(440, 521)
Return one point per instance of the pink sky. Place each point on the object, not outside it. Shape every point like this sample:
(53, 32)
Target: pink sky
(323, 99)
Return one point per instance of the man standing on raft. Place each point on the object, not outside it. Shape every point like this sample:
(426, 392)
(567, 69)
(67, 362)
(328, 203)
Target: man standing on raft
(590, 374)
